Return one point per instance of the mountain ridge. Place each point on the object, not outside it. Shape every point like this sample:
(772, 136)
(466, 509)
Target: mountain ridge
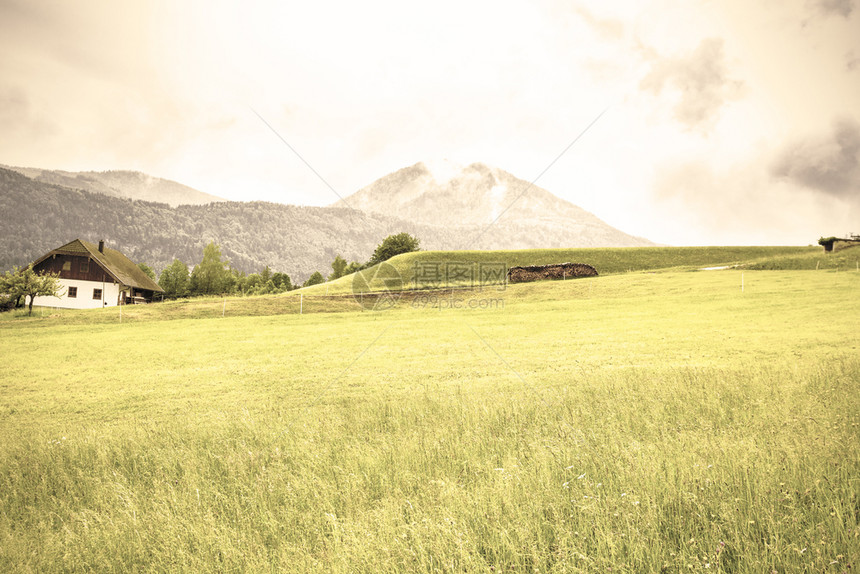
(121, 183)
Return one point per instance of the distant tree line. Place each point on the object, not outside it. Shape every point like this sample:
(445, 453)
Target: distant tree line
(215, 276)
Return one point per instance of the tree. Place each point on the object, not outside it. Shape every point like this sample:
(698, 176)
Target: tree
(314, 279)
(338, 267)
(147, 269)
(238, 280)
(353, 267)
(8, 299)
(211, 276)
(27, 283)
(174, 280)
(282, 281)
(251, 283)
(394, 245)
(265, 274)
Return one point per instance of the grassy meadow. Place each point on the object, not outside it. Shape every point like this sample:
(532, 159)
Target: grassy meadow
(632, 422)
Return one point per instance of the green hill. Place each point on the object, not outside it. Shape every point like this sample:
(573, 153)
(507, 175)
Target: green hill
(813, 259)
(465, 268)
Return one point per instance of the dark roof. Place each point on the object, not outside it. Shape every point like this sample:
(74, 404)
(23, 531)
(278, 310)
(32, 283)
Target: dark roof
(112, 261)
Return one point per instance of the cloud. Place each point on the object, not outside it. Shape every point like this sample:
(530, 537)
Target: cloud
(852, 61)
(828, 164)
(834, 7)
(18, 116)
(14, 106)
(609, 28)
(701, 78)
(744, 205)
(807, 188)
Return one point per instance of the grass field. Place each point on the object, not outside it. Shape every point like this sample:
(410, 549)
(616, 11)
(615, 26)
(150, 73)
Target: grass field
(633, 422)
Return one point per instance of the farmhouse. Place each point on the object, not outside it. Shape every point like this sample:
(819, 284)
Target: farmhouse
(94, 276)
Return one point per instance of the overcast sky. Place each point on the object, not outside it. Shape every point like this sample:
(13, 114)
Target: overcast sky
(726, 122)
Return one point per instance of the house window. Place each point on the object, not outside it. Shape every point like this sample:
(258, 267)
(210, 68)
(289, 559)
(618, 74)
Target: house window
(97, 294)
(73, 292)
(67, 265)
(85, 267)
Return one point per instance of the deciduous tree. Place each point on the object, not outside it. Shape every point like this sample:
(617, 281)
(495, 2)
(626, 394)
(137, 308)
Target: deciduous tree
(394, 245)
(211, 276)
(314, 279)
(27, 283)
(282, 281)
(338, 267)
(174, 280)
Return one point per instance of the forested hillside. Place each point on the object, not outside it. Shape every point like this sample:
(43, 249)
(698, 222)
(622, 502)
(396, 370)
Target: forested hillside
(37, 217)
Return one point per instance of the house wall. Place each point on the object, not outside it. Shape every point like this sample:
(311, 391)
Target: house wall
(84, 299)
(55, 263)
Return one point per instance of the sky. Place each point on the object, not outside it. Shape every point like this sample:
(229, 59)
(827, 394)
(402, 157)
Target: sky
(717, 122)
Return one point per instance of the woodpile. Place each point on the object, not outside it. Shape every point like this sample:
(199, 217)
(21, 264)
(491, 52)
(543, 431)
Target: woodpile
(548, 272)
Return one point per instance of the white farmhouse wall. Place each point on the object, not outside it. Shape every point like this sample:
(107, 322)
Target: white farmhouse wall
(84, 300)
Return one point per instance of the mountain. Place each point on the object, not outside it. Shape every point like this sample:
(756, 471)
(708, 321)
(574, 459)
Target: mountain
(488, 208)
(446, 207)
(297, 240)
(127, 184)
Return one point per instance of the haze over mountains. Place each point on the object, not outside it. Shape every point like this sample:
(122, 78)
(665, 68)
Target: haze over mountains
(128, 184)
(154, 220)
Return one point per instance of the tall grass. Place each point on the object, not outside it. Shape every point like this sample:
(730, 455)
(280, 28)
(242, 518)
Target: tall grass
(746, 471)
(635, 423)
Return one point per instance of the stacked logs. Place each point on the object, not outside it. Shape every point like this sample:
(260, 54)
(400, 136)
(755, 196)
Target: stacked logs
(547, 272)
